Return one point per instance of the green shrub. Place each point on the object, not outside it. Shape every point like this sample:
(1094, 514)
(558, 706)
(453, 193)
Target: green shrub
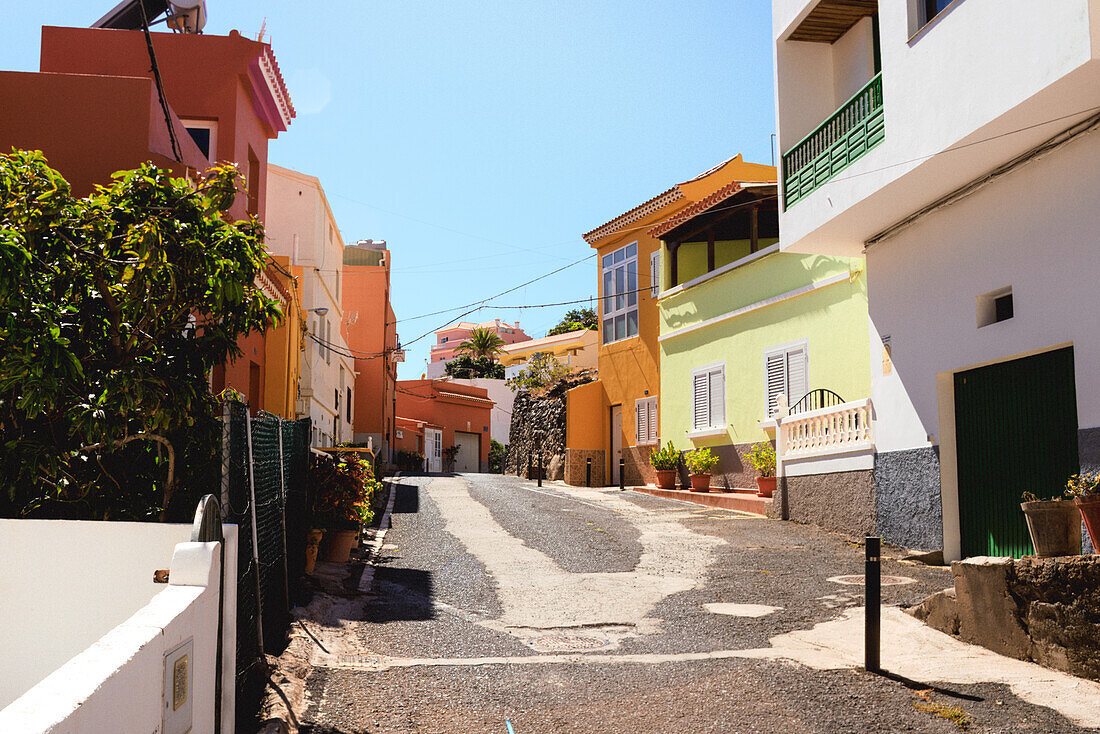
(701, 461)
(665, 459)
(762, 458)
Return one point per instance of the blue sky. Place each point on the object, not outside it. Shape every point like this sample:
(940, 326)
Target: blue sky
(481, 139)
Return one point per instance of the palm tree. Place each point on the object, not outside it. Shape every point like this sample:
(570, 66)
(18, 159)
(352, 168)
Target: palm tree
(482, 342)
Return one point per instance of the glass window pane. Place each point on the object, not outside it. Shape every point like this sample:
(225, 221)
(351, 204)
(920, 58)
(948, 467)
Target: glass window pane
(631, 250)
(620, 327)
(632, 323)
(608, 330)
(632, 283)
(607, 261)
(620, 287)
(620, 255)
(608, 291)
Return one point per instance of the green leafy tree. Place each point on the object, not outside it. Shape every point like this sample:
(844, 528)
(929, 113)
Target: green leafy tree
(542, 369)
(113, 310)
(575, 320)
(482, 342)
(468, 368)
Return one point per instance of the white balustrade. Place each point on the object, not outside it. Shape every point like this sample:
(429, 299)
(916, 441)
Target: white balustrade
(836, 429)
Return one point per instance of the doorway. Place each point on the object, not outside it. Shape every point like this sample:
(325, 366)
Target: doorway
(433, 449)
(1015, 432)
(616, 441)
(468, 445)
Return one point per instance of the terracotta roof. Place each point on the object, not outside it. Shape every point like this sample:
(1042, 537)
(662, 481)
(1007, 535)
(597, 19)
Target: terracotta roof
(464, 396)
(639, 212)
(728, 191)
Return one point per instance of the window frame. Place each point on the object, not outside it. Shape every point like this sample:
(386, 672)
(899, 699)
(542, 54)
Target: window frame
(786, 349)
(212, 126)
(610, 266)
(655, 273)
(713, 427)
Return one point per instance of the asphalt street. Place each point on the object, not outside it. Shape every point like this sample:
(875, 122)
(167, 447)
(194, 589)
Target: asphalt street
(497, 606)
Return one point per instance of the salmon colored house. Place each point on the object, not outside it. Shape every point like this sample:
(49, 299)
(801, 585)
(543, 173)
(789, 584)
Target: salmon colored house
(456, 418)
(370, 329)
(448, 339)
(616, 417)
(95, 108)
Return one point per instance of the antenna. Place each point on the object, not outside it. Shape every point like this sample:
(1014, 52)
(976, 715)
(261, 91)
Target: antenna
(263, 27)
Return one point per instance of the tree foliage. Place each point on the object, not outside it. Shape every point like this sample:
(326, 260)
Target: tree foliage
(468, 368)
(113, 310)
(542, 369)
(482, 342)
(574, 320)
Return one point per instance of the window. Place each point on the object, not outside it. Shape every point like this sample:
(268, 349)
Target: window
(786, 372)
(708, 397)
(645, 421)
(442, 340)
(995, 306)
(328, 340)
(620, 293)
(400, 433)
(205, 135)
(349, 405)
(655, 273)
(253, 182)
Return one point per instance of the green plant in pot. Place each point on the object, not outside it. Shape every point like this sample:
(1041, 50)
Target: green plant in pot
(700, 462)
(342, 501)
(762, 458)
(1053, 524)
(665, 461)
(1085, 490)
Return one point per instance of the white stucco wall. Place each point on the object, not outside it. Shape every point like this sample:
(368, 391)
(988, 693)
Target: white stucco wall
(1034, 230)
(116, 683)
(501, 416)
(983, 68)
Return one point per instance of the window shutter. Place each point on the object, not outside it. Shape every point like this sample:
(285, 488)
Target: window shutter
(653, 420)
(797, 379)
(655, 273)
(700, 401)
(776, 367)
(717, 399)
(641, 424)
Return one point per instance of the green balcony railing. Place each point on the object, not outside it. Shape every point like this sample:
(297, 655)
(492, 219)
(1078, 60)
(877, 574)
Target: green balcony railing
(849, 133)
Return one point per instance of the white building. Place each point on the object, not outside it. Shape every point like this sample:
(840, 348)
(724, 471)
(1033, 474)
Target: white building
(954, 145)
(300, 225)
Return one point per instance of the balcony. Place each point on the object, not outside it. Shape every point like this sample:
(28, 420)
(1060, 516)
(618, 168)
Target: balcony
(851, 131)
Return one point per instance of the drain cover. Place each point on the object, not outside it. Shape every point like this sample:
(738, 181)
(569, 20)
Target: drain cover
(859, 580)
(565, 643)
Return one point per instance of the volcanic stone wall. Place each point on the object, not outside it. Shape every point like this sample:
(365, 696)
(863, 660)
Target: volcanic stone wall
(538, 425)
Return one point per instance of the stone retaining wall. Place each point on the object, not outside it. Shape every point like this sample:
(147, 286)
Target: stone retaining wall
(538, 425)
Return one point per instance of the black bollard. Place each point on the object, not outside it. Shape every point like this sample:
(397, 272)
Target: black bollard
(528, 466)
(588, 472)
(540, 466)
(873, 601)
(622, 478)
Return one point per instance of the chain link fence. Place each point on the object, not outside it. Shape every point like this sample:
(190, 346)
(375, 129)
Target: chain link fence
(265, 493)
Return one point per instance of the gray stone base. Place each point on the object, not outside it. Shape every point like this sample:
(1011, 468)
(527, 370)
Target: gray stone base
(842, 501)
(908, 505)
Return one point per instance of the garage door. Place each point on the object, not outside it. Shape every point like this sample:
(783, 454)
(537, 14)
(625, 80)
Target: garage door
(468, 445)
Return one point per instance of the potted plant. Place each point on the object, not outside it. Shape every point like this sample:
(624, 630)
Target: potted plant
(665, 461)
(1085, 490)
(1053, 524)
(700, 462)
(313, 546)
(344, 486)
(762, 458)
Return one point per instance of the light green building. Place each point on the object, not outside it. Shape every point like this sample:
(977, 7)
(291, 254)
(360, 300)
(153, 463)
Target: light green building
(744, 331)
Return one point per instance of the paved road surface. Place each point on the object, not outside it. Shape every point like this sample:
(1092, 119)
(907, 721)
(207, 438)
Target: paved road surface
(561, 609)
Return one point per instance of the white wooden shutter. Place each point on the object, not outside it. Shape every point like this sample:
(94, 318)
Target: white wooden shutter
(653, 420)
(641, 422)
(797, 379)
(700, 401)
(655, 273)
(717, 395)
(776, 378)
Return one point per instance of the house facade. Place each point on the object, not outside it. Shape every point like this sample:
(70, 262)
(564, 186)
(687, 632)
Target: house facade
(952, 144)
(301, 227)
(762, 345)
(575, 350)
(455, 418)
(600, 419)
(447, 341)
(370, 328)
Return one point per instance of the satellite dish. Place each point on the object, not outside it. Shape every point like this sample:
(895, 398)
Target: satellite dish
(187, 16)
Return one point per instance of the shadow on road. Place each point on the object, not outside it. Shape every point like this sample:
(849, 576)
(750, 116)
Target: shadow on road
(918, 686)
(406, 499)
(402, 594)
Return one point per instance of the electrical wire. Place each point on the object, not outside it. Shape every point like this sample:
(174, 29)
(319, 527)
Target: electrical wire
(160, 85)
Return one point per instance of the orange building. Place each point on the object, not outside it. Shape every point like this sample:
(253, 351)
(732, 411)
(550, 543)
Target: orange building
(370, 330)
(95, 109)
(456, 419)
(616, 417)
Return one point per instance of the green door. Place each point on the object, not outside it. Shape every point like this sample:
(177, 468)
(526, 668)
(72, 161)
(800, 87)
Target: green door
(1015, 432)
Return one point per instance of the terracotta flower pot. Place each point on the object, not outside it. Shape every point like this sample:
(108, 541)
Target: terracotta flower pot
(1090, 513)
(765, 486)
(313, 545)
(340, 543)
(1054, 526)
(666, 478)
(700, 482)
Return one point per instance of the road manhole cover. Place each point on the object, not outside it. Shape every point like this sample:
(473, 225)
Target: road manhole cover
(565, 643)
(859, 580)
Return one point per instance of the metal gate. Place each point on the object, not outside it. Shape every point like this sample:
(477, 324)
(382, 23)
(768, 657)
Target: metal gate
(467, 458)
(1015, 432)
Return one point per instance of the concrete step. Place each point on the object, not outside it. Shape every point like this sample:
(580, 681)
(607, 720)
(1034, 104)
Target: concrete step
(740, 500)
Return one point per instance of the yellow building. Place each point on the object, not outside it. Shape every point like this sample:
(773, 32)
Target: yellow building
(283, 343)
(573, 349)
(616, 417)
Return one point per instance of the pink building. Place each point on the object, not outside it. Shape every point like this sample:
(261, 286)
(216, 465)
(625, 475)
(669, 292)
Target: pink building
(448, 339)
